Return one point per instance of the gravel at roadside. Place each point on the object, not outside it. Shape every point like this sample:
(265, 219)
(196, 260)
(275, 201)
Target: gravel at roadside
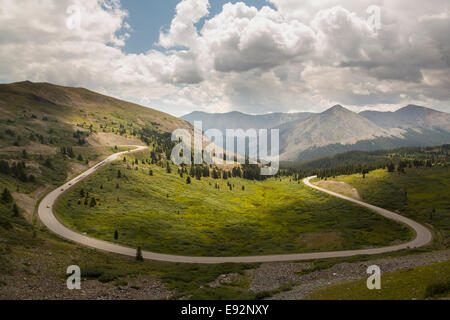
(272, 276)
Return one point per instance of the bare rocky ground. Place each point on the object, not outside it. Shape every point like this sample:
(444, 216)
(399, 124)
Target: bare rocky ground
(224, 279)
(270, 277)
(38, 274)
(32, 288)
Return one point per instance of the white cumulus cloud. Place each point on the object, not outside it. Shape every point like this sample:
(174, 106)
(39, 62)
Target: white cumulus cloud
(296, 55)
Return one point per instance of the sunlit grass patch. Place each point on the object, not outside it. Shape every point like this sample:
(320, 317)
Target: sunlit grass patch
(162, 213)
(420, 193)
(424, 282)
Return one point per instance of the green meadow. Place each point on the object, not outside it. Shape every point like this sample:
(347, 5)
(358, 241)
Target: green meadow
(162, 213)
(420, 193)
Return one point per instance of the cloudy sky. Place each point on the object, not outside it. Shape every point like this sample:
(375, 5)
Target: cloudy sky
(252, 56)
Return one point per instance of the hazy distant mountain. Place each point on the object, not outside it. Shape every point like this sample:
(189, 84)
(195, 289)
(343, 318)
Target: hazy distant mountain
(335, 125)
(308, 135)
(338, 130)
(410, 117)
(238, 120)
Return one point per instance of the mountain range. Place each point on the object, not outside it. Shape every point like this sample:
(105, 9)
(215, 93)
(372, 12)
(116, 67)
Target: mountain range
(239, 120)
(305, 136)
(54, 112)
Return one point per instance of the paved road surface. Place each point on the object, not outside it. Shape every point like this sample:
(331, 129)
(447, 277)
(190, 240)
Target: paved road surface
(45, 212)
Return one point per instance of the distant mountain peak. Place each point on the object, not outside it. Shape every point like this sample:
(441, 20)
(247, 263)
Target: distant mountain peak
(337, 109)
(412, 107)
(411, 116)
(418, 110)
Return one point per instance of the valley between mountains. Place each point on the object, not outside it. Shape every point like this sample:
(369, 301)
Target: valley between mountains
(140, 200)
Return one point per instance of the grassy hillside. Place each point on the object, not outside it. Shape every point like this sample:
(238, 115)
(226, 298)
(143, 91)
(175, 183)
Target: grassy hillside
(163, 213)
(80, 106)
(431, 281)
(50, 132)
(39, 120)
(33, 265)
(65, 131)
(420, 193)
(365, 161)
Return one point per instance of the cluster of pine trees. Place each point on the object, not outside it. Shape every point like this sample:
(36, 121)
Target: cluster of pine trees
(68, 151)
(161, 142)
(80, 137)
(88, 201)
(363, 162)
(16, 170)
(6, 198)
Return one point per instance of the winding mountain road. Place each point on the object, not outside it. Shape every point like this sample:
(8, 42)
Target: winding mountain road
(46, 215)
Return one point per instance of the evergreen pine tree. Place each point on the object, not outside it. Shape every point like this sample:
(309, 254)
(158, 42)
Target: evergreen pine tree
(15, 210)
(139, 256)
(6, 196)
(48, 163)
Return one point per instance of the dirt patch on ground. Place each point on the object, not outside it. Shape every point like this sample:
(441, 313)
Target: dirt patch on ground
(38, 193)
(34, 168)
(40, 274)
(76, 169)
(32, 148)
(339, 187)
(321, 241)
(111, 140)
(26, 203)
